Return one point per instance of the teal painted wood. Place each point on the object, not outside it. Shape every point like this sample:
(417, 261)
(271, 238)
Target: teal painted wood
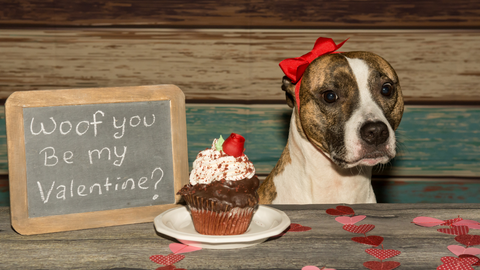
(432, 141)
(438, 141)
(264, 127)
(426, 191)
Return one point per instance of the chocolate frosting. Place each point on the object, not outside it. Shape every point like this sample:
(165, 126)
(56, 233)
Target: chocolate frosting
(222, 195)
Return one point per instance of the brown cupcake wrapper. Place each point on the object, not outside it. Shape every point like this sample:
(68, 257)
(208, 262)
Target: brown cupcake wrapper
(214, 218)
(233, 222)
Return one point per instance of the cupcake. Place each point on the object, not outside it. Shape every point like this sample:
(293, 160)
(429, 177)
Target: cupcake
(222, 193)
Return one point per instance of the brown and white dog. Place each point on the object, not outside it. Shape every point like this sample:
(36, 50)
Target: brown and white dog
(351, 103)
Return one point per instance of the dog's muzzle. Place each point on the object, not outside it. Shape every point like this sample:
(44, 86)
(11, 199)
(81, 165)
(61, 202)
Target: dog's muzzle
(374, 133)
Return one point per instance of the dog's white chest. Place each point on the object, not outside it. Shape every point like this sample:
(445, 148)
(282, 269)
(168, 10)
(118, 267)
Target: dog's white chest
(311, 177)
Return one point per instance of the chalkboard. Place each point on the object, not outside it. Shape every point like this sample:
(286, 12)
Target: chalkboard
(88, 158)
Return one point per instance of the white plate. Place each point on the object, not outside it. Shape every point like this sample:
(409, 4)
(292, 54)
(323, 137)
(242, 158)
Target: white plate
(177, 223)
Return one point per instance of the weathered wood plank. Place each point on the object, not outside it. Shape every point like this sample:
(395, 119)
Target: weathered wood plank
(245, 13)
(129, 247)
(228, 64)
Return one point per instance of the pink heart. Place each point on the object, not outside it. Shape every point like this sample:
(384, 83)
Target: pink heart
(350, 220)
(427, 221)
(181, 248)
(471, 224)
(459, 250)
(167, 260)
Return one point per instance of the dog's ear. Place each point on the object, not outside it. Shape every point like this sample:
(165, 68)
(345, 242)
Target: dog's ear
(289, 89)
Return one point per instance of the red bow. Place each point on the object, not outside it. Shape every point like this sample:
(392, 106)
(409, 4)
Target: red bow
(295, 67)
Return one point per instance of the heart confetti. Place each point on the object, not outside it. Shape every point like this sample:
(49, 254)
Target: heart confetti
(455, 266)
(374, 265)
(294, 227)
(372, 240)
(364, 228)
(170, 267)
(453, 263)
(340, 211)
(167, 260)
(451, 221)
(467, 256)
(459, 250)
(468, 240)
(427, 221)
(455, 230)
(471, 224)
(350, 220)
(177, 248)
(311, 267)
(382, 254)
(466, 260)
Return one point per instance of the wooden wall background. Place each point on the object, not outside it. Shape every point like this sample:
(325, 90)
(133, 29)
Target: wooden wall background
(224, 55)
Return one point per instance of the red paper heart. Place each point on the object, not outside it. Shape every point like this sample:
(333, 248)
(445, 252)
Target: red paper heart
(455, 230)
(233, 145)
(468, 256)
(375, 265)
(170, 267)
(382, 254)
(462, 263)
(449, 222)
(468, 239)
(294, 227)
(466, 259)
(372, 240)
(364, 228)
(455, 266)
(167, 260)
(340, 211)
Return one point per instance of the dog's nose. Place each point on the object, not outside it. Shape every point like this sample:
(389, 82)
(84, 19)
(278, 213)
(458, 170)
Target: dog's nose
(374, 133)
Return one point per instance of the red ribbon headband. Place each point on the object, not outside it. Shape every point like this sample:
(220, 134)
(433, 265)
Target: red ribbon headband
(295, 67)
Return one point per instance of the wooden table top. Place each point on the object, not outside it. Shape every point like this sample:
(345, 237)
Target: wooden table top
(325, 245)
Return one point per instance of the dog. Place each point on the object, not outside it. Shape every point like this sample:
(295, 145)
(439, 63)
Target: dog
(345, 112)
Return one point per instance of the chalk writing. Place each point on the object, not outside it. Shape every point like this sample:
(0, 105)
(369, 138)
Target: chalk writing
(111, 151)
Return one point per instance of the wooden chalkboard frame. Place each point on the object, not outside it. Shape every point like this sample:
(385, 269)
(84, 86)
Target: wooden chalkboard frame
(14, 106)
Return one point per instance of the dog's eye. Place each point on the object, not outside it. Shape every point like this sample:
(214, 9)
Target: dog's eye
(330, 96)
(387, 89)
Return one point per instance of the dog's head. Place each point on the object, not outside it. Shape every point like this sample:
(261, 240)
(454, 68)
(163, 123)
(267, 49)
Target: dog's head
(350, 105)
